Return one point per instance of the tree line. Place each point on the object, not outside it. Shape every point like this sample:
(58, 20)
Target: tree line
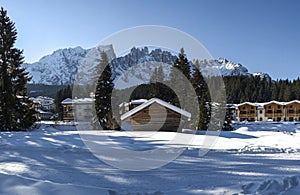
(256, 89)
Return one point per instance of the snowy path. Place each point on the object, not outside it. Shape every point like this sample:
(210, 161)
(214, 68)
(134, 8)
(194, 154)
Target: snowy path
(49, 161)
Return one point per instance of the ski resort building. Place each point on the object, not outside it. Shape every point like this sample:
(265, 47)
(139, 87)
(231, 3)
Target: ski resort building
(79, 109)
(154, 115)
(269, 111)
(247, 111)
(44, 107)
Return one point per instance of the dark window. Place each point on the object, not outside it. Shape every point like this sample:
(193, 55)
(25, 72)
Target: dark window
(269, 111)
(291, 111)
(260, 112)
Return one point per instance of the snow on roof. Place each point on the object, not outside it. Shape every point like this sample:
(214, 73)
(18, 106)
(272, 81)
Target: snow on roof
(275, 102)
(83, 100)
(159, 101)
(43, 112)
(67, 101)
(244, 103)
(139, 101)
(294, 101)
(261, 105)
(35, 101)
(78, 101)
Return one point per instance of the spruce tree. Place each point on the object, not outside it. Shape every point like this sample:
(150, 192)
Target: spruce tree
(16, 112)
(181, 65)
(103, 95)
(156, 86)
(201, 90)
(227, 122)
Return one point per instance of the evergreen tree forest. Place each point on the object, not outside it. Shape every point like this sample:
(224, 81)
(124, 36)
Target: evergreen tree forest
(16, 112)
(255, 89)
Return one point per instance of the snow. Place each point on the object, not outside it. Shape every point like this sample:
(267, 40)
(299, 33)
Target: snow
(256, 158)
(151, 101)
(66, 65)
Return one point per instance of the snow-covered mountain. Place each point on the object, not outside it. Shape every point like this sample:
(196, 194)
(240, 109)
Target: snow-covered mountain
(62, 66)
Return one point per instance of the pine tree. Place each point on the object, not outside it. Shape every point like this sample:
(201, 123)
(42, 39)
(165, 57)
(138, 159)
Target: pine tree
(227, 122)
(103, 96)
(156, 86)
(16, 112)
(201, 90)
(182, 66)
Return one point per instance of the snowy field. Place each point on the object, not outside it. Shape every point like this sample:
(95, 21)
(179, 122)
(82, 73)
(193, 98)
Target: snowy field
(254, 159)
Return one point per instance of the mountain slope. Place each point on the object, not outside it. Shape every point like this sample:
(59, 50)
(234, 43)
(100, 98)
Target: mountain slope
(62, 66)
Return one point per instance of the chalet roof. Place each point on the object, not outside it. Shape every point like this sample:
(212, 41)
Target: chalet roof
(294, 101)
(83, 100)
(159, 101)
(78, 101)
(275, 102)
(247, 103)
(67, 101)
(134, 102)
(261, 105)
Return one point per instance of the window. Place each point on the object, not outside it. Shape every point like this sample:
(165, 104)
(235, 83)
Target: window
(269, 111)
(291, 111)
(278, 107)
(269, 107)
(291, 106)
(260, 112)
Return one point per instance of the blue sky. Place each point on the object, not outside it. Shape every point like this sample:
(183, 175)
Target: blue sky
(263, 35)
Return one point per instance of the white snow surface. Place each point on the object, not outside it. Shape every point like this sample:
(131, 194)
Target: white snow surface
(256, 158)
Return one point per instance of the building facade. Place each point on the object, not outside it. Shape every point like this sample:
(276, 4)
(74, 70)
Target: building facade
(155, 115)
(80, 109)
(269, 111)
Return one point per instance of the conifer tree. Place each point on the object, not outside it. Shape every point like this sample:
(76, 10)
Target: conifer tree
(16, 112)
(156, 86)
(201, 90)
(181, 65)
(103, 95)
(227, 122)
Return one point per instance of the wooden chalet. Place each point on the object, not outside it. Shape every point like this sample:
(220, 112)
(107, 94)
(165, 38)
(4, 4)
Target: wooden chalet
(293, 110)
(155, 115)
(274, 111)
(247, 111)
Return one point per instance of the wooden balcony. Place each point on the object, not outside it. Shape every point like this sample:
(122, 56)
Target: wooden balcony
(272, 115)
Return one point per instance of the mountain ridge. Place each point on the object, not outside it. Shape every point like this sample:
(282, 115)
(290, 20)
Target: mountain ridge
(63, 66)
